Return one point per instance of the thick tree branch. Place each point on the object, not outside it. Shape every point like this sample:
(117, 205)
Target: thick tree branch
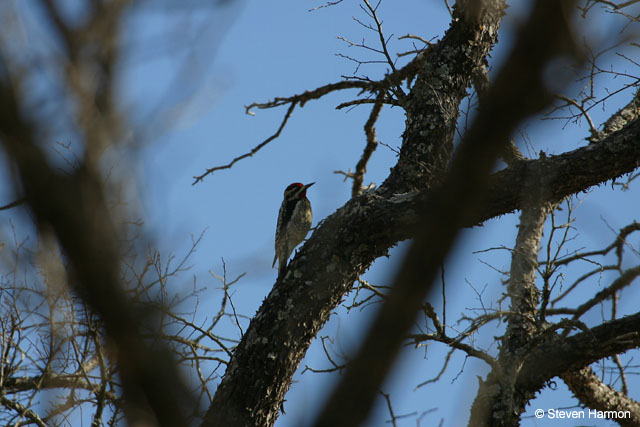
(51, 381)
(283, 332)
(344, 241)
(348, 241)
(593, 393)
(560, 355)
(506, 403)
(518, 92)
(344, 246)
(567, 173)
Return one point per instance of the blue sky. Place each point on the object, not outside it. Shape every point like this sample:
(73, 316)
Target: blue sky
(279, 49)
(184, 87)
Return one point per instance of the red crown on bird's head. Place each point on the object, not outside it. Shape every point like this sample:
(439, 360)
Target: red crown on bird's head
(295, 187)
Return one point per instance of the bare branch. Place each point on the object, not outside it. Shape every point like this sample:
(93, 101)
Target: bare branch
(372, 143)
(583, 111)
(22, 411)
(13, 204)
(383, 42)
(328, 4)
(390, 408)
(591, 392)
(253, 151)
(625, 279)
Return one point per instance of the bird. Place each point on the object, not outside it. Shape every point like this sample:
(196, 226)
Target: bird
(294, 222)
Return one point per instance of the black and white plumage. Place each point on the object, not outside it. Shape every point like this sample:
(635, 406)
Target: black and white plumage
(294, 222)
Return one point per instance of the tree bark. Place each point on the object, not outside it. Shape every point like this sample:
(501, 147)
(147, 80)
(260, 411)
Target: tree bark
(346, 243)
(593, 393)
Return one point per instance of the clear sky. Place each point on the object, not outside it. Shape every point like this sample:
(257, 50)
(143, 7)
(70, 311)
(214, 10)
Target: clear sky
(185, 86)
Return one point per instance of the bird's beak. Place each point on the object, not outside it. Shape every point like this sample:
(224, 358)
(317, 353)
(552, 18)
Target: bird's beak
(307, 186)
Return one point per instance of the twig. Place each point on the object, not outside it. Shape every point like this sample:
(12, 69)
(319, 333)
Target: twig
(13, 204)
(442, 371)
(372, 143)
(383, 42)
(592, 127)
(328, 4)
(391, 82)
(446, 2)
(413, 36)
(390, 407)
(253, 151)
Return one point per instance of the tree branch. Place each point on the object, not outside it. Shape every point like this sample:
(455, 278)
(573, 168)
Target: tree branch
(74, 206)
(518, 92)
(372, 143)
(560, 355)
(348, 241)
(593, 393)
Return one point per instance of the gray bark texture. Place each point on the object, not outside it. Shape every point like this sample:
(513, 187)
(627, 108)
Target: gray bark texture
(420, 191)
(433, 191)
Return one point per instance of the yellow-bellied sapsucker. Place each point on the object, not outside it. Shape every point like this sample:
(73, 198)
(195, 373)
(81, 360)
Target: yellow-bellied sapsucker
(294, 221)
